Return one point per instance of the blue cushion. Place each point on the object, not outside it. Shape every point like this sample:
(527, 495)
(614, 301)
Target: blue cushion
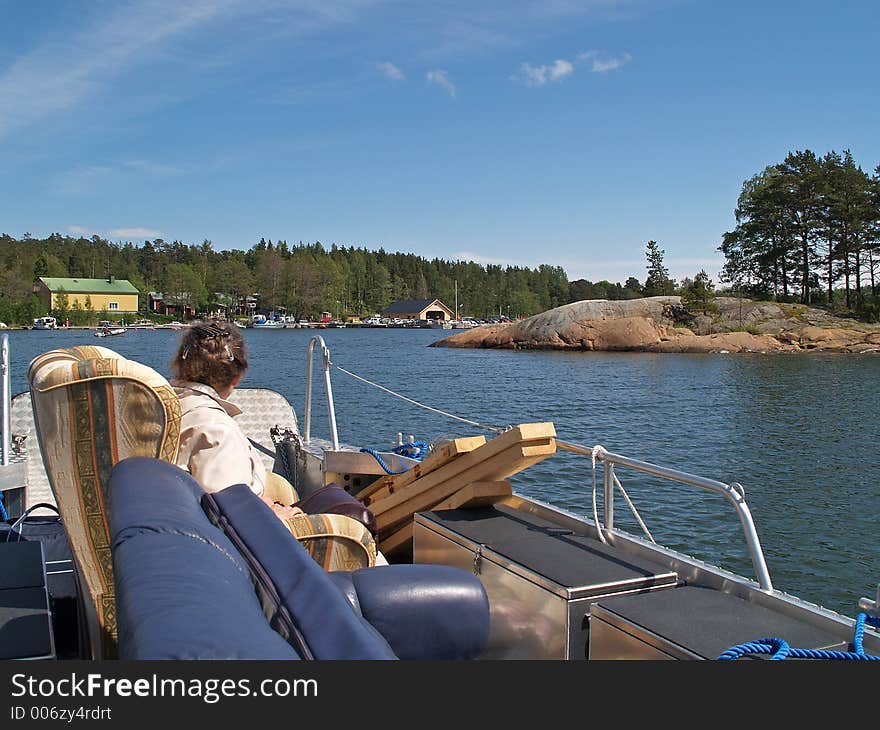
(423, 611)
(182, 590)
(319, 619)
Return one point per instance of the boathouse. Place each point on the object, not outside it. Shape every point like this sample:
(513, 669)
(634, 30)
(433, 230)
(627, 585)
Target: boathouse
(110, 294)
(430, 309)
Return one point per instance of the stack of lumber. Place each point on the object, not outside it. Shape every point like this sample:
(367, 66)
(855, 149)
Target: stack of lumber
(465, 472)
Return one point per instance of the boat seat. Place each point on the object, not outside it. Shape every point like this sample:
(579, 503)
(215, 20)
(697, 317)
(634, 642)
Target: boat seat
(93, 408)
(216, 576)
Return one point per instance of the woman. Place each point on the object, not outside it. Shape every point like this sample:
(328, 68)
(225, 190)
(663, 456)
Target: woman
(211, 361)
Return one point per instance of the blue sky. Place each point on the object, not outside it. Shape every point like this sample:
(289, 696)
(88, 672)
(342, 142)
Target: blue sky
(558, 132)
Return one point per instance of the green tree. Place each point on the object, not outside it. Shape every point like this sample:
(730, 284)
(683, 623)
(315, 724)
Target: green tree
(697, 295)
(658, 282)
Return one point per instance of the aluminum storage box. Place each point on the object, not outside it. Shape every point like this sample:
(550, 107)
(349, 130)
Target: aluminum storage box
(540, 575)
(692, 622)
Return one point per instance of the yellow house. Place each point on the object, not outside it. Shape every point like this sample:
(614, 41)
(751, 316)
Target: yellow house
(111, 295)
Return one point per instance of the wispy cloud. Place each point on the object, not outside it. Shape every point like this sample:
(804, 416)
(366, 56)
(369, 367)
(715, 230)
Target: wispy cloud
(144, 233)
(440, 78)
(480, 259)
(540, 75)
(134, 233)
(561, 68)
(66, 70)
(602, 62)
(152, 167)
(391, 71)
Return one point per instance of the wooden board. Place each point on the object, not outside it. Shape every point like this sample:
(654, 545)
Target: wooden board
(476, 494)
(397, 541)
(400, 487)
(504, 456)
(444, 453)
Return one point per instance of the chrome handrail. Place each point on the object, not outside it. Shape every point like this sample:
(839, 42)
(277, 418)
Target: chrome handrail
(325, 352)
(734, 493)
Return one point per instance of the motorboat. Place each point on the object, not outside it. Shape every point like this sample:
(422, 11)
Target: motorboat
(45, 323)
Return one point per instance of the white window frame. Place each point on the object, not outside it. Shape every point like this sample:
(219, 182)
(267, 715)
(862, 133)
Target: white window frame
(112, 306)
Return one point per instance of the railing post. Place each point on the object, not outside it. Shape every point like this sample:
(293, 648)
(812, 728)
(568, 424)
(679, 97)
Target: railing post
(325, 352)
(608, 507)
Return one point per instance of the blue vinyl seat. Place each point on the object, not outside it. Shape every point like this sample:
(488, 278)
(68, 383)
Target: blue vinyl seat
(220, 577)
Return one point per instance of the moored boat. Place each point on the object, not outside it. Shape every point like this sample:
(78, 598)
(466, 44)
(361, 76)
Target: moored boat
(45, 323)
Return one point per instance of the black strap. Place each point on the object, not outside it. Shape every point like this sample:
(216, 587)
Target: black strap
(25, 515)
(262, 448)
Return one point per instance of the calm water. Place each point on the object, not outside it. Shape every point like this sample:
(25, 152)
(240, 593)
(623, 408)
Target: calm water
(799, 432)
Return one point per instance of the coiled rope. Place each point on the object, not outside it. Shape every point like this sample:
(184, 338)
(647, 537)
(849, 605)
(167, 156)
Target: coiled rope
(779, 649)
(413, 450)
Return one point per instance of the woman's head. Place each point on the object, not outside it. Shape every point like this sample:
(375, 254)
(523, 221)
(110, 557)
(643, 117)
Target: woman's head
(212, 353)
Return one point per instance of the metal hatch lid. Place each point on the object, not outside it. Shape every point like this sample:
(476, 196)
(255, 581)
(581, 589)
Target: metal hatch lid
(701, 622)
(552, 556)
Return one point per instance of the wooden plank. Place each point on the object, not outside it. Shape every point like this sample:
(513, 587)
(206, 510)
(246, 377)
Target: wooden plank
(476, 494)
(397, 541)
(500, 466)
(464, 465)
(523, 432)
(441, 455)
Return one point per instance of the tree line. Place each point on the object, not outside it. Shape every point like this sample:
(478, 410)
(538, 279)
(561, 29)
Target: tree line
(808, 230)
(304, 279)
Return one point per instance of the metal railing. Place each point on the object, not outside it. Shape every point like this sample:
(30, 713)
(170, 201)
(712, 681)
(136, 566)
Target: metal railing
(733, 493)
(307, 416)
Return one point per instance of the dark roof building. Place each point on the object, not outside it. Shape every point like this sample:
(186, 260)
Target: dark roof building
(418, 309)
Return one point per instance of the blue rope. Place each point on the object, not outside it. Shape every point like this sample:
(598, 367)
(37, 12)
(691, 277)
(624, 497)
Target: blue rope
(414, 450)
(779, 649)
(3, 515)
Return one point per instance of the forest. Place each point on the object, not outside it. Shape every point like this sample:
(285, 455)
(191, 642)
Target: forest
(807, 229)
(304, 279)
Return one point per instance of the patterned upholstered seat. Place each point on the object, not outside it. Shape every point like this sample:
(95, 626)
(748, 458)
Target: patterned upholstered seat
(93, 408)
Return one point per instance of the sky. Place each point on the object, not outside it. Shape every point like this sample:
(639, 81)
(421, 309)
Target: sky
(516, 133)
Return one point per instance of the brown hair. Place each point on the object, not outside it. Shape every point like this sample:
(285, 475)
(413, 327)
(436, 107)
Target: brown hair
(213, 353)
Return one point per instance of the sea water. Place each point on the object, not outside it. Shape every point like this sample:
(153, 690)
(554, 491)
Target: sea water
(799, 432)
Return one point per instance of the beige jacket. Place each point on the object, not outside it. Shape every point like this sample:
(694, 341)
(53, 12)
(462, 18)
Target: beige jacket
(212, 446)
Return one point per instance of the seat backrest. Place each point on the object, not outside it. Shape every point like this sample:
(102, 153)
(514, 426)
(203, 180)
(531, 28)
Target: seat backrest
(93, 408)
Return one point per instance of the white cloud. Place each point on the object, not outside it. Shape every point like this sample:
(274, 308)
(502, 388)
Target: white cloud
(540, 75)
(602, 63)
(440, 78)
(391, 71)
(134, 233)
(78, 231)
(480, 259)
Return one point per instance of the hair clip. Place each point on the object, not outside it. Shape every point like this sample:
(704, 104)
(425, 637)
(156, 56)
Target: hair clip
(185, 353)
(210, 331)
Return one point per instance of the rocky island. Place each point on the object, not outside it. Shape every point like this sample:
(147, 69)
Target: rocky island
(663, 324)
